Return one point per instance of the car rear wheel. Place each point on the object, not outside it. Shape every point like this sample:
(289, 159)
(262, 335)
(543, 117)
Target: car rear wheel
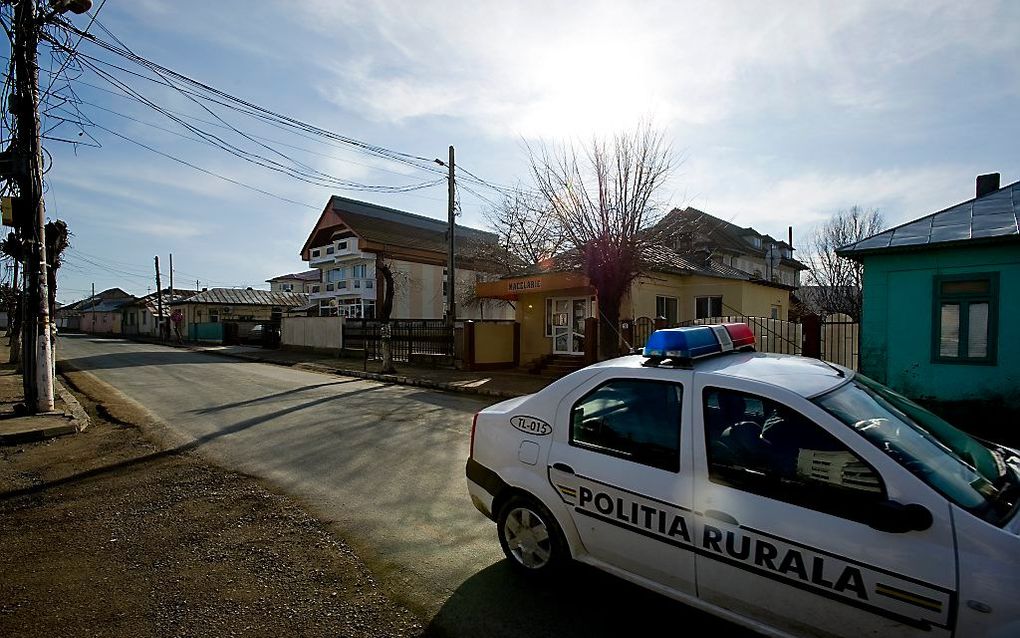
(530, 537)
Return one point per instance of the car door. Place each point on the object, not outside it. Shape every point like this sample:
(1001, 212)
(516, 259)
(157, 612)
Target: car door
(784, 494)
(622, 468)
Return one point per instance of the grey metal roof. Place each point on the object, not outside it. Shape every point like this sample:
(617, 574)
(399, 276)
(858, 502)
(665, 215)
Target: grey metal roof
(109, 305)
(307, 275)
(246, 297)
(994, 216)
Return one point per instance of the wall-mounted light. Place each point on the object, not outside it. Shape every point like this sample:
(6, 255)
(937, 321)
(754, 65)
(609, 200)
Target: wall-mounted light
(530, 307)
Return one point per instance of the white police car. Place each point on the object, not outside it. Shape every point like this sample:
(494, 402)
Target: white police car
(783, 493)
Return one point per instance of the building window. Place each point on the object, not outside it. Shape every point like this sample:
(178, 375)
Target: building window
(214, 315)
(777, 312)
(965, 318)
(329, 287)
(548, 317)
(341, 245)
(705, 307)
(315, 253)
(369, 283)
(287, 287)
(359, 271)
(667, 307)
(315, 288)
(635, 420)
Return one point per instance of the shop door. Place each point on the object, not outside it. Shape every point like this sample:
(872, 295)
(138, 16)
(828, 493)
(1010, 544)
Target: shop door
(569, 314)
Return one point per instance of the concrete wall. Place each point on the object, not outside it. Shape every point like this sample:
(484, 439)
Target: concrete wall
(897, 324)
(101, 322)
(494, 342)
(312, 333)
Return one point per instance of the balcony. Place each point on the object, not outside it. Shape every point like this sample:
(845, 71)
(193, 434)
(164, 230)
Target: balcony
(363, 288)
(321, 255)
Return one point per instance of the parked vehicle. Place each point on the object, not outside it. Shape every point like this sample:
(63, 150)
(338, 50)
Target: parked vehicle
(783, 493)
(264, 333)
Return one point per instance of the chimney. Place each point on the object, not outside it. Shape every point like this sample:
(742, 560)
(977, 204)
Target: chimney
(205, 290)
(789, 234)
(986, 184)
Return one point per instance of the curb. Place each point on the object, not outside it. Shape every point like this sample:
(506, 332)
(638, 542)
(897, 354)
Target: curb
(79, 416)
(395, 379)
(360, 374)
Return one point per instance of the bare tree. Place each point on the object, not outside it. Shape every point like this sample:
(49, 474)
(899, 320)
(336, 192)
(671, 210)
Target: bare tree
(603, 202)
(527, 232)
(838, 281)
(383, 313)
(12, 247)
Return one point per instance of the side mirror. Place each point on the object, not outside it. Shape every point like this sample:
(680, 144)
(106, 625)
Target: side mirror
(897, 518)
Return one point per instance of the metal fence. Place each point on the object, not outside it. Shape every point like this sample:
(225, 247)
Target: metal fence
(841, 341)
(643, 328)
(409, 338)
(770, 335)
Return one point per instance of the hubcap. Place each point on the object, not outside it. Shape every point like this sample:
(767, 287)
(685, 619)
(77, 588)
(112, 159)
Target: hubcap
(528, 538)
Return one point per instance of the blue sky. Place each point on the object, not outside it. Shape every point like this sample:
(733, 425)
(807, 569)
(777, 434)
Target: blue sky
(782, 113)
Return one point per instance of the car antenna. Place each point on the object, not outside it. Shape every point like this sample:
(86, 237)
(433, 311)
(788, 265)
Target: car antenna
(838, 371)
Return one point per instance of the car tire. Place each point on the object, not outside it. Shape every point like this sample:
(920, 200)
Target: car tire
(530, 536)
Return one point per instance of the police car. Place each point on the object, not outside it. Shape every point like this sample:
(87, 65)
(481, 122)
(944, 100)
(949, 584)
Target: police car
(784, 493)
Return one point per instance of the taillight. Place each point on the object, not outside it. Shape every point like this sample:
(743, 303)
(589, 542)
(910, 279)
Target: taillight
(474, 423)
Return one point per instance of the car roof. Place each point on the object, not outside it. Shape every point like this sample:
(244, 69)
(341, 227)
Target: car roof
(806, 376)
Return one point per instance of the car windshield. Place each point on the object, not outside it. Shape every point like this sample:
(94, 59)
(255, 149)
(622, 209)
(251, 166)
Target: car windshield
(980, 478)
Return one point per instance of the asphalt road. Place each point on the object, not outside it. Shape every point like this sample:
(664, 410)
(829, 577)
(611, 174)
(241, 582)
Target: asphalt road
(384, 464)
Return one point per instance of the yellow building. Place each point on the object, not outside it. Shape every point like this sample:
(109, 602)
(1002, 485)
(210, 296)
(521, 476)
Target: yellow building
(553, 307)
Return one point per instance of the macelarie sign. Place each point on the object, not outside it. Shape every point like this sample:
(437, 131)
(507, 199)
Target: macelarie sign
(527, 284)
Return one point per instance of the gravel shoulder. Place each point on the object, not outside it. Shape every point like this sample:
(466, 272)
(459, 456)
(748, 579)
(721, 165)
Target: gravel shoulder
(107, 534)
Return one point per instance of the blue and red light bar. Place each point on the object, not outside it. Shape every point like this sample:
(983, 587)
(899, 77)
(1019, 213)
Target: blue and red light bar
(692, 342)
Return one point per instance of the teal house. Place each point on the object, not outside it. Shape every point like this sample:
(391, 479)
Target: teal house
(941, 314)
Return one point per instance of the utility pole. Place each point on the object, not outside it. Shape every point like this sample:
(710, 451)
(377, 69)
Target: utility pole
(37, 330)
(171, 278)
(159, 301)
(93, 302)
(451, 304)
(38, 382)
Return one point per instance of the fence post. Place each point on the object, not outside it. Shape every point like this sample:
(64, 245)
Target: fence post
(812, 327)
(591, 340)
(627, 332)
(469, 344)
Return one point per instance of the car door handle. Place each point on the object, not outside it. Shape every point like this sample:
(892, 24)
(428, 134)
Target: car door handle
(721, 516)
(563, 467)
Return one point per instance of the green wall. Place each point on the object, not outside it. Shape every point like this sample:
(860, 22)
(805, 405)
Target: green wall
(896, 327)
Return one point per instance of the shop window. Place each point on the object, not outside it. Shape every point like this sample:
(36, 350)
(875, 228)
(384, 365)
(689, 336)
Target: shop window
(667, 307)
(965, 318)
(549, 317)
(705, 307)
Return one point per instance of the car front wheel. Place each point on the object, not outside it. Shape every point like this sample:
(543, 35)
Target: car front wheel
(530, 537)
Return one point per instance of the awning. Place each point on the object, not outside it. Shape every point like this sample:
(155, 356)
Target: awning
(512, 288)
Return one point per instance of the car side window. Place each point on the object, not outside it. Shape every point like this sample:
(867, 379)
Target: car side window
(632, 419)
(761, 446)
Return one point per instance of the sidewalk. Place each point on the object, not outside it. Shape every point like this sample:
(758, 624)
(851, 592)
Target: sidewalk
(16, 427)
(503, 384)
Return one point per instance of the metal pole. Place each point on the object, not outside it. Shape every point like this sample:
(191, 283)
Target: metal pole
(159, 301)
(39, 395)
(451, 304)
(93, 302)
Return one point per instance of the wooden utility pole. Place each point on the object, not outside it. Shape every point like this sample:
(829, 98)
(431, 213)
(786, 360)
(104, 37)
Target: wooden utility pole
(171, 278)
(159, 301)
(451, 304)
(93, 302)
(37, 331)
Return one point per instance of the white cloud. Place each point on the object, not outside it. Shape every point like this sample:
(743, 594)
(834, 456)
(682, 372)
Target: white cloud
(804, 200)
(542, 69)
